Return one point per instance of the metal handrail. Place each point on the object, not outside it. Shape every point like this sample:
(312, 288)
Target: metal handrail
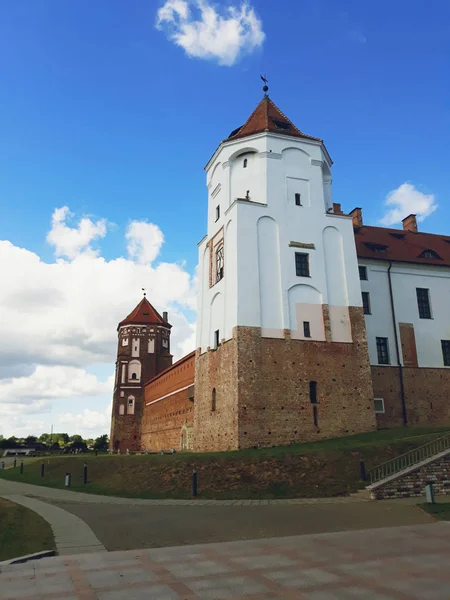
(409, 458)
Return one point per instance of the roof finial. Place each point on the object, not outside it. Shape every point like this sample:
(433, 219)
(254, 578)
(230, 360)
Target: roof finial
(266, 87)
(143, 289)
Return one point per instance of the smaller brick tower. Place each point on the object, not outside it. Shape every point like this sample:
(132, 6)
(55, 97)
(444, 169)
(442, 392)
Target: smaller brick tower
(143, 351)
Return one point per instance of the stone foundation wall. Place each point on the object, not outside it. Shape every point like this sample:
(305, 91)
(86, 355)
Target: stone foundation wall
(216, 430)
(413, 484)
(275, 406)
(263, 390)
(427, 395)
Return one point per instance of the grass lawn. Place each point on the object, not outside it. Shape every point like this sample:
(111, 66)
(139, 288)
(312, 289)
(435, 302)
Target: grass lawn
(441, 510)
(22, 531)
(323, 468)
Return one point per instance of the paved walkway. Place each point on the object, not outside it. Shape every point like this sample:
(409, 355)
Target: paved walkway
(58, 495)
(72, 535)
(400, 563)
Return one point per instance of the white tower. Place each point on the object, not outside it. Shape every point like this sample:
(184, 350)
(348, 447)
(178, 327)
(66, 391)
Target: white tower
(279, 288)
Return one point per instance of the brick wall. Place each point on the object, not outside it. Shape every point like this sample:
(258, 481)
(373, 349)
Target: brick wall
(164, 418)
(216, 369)
(427, 394)
(263, 390)
(413, 484)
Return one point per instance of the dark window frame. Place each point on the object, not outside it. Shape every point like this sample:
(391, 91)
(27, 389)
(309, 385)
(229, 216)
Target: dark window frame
(363, 271)
(213, 400)
(302, 264)
(423, 303)
(313, 392)
(298, 199)
(217, 212)
(445, 344)
(366, 303)
(245, 163)
(307, 329)
(383, 351)
(219, 263)
(216, 338)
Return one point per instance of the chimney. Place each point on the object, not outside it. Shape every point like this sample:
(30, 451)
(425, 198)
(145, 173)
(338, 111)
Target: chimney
(410, 223)
(337, 209)
(356, 215)
(166, 316)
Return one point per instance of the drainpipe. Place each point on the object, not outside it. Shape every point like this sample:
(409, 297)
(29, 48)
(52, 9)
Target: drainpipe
(397, 347)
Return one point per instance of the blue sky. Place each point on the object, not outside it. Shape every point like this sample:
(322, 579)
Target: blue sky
(102, 112)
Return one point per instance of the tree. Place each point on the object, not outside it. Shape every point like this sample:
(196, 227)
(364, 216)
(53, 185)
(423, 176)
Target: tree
(101, 443)
(31, 439)
(76, 438)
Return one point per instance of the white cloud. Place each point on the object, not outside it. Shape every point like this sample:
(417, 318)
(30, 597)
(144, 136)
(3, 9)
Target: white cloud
(87, 423)
(144, 241)
(203, 32)
(70, 241)
(406, 200)
(58, 320)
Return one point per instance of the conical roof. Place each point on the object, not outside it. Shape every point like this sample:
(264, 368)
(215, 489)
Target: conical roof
(144, 314)
(268, 117)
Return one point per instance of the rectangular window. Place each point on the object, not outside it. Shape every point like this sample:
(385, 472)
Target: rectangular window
(383, 351)
(306, 329)
(423, 303)
(217, 212)
(366, 303)
(446, 352)
(315, 417)
(216, 339)
(378, 405)
(302, 264)
(313, 392)
(363, 273)
(298, 199)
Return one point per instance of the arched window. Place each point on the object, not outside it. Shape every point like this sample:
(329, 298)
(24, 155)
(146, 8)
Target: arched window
(130, 405)
(219, 263)
(245, 163)
(134, 371)
(213, 400)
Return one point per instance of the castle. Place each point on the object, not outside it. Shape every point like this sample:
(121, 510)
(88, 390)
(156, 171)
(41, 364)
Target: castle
(310, 324)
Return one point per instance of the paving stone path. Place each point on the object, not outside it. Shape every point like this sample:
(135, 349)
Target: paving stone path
(397, 563)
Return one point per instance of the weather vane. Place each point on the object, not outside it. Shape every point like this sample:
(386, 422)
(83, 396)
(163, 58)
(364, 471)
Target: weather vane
(143, 289)
(266, 87)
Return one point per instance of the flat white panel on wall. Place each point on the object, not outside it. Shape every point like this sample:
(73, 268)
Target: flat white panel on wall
(305, 304)
(135, 347)
(151, 346)
(298, 186)
(217, 319)
(269, 274)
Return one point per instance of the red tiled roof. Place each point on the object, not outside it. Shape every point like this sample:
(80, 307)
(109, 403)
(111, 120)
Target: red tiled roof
(144, 314)
(401, 246)
(268, 117)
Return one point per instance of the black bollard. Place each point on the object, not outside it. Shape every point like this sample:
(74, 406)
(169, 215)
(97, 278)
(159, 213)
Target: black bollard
(67, 480)
(85, 473)
(15, 462)
(194, 483)
(42, 469)
(21, 467)
(362, 469)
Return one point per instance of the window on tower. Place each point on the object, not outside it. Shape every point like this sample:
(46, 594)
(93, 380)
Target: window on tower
(245, 163)
(219, 263)
(298, 199)
(216, 339)
(301, 264)
(217, 212)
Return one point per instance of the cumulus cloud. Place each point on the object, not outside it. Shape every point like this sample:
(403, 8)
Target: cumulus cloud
(88, 422)
(70, 241)
(406, 200)
(203, 32)
(144, 241)
(59, 318)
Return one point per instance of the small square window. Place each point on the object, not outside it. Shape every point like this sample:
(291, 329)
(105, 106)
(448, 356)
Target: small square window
(378, 405)
(301, 264)
(216, 339)
(366, 303)
(363, 273)
(298, 199)
(306, 329)
(217, 212)
(446, 352)
(423, 303)
(383, 351)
